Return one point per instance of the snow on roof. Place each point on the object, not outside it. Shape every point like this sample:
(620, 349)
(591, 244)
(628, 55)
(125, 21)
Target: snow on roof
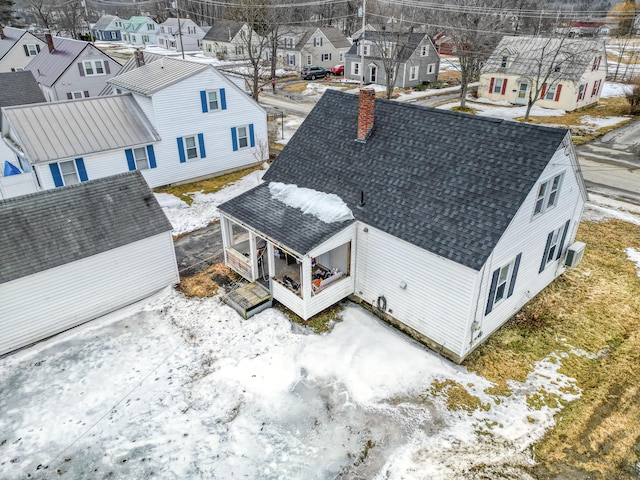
(327, 207)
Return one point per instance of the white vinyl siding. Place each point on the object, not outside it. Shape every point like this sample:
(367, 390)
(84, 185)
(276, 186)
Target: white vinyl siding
(548, 192)
(71, 294)
(528, 236)
(384, 263)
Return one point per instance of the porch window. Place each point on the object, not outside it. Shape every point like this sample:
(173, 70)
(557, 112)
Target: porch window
(329, 267)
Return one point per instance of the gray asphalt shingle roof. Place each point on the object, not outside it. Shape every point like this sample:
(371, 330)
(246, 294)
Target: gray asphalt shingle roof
(19, 88)
(446, 182)
(51, 131)
(47, 229)
(287, 225)
(156, 75)
(526, 54)
(223, 30)
(103, 22)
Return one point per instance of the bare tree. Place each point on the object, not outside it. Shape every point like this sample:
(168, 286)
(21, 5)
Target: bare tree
(474, 26)
(70, 17)
(44, 12)
(259, 17)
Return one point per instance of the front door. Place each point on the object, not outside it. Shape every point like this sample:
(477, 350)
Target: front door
(523, 93)
(373, 73)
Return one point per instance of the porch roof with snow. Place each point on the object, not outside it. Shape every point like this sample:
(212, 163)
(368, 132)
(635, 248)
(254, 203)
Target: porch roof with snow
(287, 226)
(447, 182)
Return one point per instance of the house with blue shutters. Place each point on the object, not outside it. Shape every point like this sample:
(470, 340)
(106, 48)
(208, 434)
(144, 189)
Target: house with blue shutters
(108, 28)
(445, 232)
(174, 120)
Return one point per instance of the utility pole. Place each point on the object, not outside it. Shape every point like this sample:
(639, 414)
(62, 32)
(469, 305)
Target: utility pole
(364, 14)
(179, 27)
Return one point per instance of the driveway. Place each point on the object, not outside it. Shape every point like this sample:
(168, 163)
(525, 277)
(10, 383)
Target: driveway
(611, 164)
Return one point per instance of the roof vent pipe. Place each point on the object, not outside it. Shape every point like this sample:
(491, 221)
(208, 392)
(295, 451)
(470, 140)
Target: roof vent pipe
(362, 198)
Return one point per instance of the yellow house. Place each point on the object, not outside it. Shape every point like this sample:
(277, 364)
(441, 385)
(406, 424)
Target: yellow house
(558, 73)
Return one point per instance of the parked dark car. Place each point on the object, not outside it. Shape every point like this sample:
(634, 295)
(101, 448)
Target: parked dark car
(337, 70)
(312, 72)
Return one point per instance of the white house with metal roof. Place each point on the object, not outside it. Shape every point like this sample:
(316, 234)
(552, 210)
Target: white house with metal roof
(190, 40)
(17, 48)
(172, 119)
(93, 248)
(558, 73)
(445, 232)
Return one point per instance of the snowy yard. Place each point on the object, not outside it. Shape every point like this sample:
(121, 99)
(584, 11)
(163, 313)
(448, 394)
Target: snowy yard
(184, 388)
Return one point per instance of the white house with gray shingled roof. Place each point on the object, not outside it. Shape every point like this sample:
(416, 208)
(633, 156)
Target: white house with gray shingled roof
(17, 48)
(92, 248)
(566, 73)
(320, 46)
(174, 120)
(452, 229)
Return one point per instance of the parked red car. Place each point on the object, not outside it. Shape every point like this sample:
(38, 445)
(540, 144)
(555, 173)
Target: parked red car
(337, 70)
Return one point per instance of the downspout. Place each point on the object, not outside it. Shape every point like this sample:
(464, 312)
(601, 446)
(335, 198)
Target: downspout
(404, 73)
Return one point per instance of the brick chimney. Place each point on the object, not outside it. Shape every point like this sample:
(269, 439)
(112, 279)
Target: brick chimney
(366, 111)
(2, 37)
(139, 58)
(49, 39)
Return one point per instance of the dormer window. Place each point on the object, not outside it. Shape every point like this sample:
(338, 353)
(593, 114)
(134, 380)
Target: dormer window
(557, 67)
(504, 62)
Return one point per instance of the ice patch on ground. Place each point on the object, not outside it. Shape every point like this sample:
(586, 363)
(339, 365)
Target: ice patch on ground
(634, 256)
(327, 207)
(600, 208)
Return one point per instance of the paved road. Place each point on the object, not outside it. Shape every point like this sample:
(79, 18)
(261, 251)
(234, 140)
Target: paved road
(611, 164)
(199, 249)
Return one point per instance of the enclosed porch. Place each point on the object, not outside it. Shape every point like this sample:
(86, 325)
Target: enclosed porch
(307, 282)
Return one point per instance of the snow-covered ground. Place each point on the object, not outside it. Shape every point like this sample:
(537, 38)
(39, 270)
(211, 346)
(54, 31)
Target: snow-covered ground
(185, 388)
(507, 113)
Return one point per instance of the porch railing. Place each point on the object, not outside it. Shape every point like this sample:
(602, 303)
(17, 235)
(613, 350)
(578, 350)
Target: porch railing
(239, 262)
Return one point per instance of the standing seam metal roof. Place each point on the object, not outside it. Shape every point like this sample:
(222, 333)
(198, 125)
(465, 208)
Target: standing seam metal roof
(446, 182)
(67, 224)
(156, 75)
(51, 131)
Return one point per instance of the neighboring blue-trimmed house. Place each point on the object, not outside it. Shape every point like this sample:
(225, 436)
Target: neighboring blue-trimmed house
(174, 120)
(453, 229)
(140, 31)
(92, 248)
(108, 28)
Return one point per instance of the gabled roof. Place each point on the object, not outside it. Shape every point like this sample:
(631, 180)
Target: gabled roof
(11, 37)
(48, 66)
(67, 224)
(52, 131)
(104, 22)
(173, 22)
(135, 24)
(411, 40)
(19, 88)
(446, 182)
(157, 75)
(223, 30)
(335, 36)
(526, 53)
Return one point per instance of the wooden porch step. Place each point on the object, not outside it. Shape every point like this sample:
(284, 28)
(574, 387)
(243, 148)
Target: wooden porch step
(249, 299)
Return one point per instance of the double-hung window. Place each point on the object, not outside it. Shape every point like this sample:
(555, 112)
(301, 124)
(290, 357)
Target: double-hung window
(550, 94)
(355, 68)
(553, 248)
(93, 67)
(581, 92)
(141, 158)
(505, 61)
(424, 50)
(191, 147)
(242, 136)
(69, 172)
(31, 49)
(413, 73)
(213, 100)
(503, 281)
(548, 194)
(365, 50)
(498, 85)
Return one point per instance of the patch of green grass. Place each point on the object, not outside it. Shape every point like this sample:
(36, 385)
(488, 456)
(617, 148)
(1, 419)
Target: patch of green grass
(210, 185)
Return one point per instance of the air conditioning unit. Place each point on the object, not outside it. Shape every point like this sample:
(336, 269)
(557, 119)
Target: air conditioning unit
(574, 254)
